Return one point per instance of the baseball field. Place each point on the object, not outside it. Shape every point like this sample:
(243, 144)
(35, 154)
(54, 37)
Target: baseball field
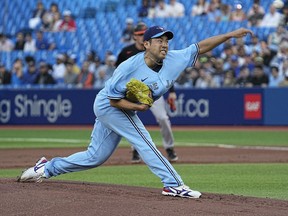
(239, 170)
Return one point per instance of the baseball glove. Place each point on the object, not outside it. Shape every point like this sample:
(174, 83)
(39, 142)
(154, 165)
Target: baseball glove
(138, 91)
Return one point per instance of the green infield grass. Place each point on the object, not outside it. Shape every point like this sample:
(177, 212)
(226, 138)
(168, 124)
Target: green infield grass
(257, 180)
(53, 138)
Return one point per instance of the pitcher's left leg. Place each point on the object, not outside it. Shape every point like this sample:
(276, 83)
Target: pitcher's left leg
(131, 127)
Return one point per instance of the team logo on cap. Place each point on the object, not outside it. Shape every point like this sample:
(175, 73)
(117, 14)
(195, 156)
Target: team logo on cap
(162, 29)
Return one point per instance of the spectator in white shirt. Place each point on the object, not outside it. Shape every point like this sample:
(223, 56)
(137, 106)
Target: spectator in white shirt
(274, 77)
(200, 8)
(30, 43)
(152, 9)
(57, 21)
(59, 69)
(271, 19)
(162, 9)
(275, 38)
(5, 43)
(177, 9)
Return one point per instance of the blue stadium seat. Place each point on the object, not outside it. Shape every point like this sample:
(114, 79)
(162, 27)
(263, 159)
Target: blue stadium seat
(87, 13)
(102, 28)
(109, 5)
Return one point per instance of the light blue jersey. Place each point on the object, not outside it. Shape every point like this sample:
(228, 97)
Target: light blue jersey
(112, 123)
(159, 83)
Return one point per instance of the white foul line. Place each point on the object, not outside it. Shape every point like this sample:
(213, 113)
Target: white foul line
(273, 148)
(54, 140)
(47, 140)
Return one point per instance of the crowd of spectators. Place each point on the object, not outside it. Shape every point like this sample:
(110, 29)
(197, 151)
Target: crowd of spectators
(261, 63)
(26, 42)
(42, 20)
(160, 8)
(51, 19)
(241, 65)
(216, 11)
(66, 72)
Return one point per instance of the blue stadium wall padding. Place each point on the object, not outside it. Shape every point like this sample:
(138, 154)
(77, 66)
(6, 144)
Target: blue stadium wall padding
(255, 106)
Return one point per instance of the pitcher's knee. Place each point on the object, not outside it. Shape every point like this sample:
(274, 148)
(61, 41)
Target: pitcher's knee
(95, 159)
(163, 121)
(163, 117)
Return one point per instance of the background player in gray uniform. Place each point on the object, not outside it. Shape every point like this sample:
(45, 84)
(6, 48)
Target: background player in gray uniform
(117, 116)
(159, 107)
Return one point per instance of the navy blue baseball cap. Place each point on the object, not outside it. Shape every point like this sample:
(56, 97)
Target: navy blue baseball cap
(157, 31)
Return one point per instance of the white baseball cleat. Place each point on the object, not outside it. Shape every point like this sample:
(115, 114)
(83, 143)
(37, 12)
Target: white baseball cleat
(181, 191)
(35, 173)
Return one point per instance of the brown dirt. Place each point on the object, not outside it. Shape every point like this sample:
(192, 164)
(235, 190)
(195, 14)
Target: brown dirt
(20, 158)
(74, 198)
(63, 198)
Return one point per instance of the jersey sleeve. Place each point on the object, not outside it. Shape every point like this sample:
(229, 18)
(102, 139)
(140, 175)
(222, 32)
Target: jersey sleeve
(116, 86)
(189, 55)
(179, 60)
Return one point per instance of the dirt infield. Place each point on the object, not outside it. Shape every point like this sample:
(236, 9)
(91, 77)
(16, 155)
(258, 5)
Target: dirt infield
(76, 198)
(18, 158)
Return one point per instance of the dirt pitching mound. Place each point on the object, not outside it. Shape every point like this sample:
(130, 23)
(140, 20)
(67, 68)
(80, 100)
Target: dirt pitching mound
(74, 198)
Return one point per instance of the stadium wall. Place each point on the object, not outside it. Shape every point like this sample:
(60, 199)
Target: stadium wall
(257, 106)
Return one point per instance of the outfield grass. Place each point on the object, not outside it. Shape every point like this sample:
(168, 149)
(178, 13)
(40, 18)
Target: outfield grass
(258, 180)
(79, 138)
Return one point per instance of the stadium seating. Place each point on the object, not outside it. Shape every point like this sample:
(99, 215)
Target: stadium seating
(100, 24)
